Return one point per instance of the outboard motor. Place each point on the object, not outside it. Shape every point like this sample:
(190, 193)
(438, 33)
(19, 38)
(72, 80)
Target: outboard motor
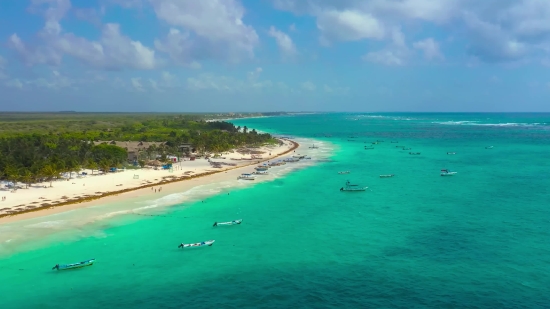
(215, 224)
(55, 267)
(181, 245)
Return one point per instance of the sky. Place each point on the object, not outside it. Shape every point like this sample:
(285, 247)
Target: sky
(275, 55)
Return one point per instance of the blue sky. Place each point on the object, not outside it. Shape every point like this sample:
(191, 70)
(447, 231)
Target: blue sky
(274, 55)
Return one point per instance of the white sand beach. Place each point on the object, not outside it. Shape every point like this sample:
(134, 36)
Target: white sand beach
(41, 199)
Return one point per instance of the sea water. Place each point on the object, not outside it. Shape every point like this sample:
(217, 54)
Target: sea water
(478, 239)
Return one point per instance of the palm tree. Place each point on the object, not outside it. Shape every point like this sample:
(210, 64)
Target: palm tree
(49, 171)
(105, 166)
(93, 166)
(26, 177)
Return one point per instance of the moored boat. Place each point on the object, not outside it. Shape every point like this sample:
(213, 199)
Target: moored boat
(261, 173)
(261, 168)
(89, 262)
(447, 172)
(489, 147)
(344, 172)
(394, 142)
(414, 153)
(313, 147)
(234, 222)
(366, 148)
(198, 244)
(246, 177)
(387, 176)
(451, 153)
(353, 188)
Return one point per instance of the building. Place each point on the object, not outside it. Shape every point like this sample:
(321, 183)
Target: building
(134, 149)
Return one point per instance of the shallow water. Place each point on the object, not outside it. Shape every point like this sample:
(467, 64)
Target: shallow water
(480, 239)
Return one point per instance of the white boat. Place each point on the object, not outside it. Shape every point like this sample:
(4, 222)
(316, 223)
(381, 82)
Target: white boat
(246, 177)
(261, 168)
(234, 222)
(413, 153)
(451, 153)
(307, 158)
(299, 156)
(89, 262)
(344, 172)
(354, 188)
(387, 176)
(447, 172)
(261, 173)
(291, 160)
(489, 147)
(196, 245)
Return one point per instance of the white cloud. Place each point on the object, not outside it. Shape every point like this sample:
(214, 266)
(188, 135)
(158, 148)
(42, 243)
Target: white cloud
(113, 50)
(430, 48)
(136, 83)
(15, 83)
(336, 90)
(292, 27)
(349, 25)
(212, 29)
(495, 30)
(385, 57)
(286, 46)
(253, 76)
(309, 86)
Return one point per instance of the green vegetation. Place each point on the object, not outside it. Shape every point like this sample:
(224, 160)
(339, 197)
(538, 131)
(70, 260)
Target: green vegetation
(40, 146)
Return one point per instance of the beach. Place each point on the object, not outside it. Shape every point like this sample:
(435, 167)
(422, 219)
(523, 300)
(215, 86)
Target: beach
(77, 192)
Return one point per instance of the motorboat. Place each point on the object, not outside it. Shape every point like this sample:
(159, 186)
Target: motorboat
(394, 142)
(489, 147)
(234, 222)
(387, 176)
(290, 160)
(261, 173)
(196, 245)
(414, 153)
(261, 168)
(368, 147)
(408, 149)
(89, 262)
(344, 172)
(246, 177)
(451, 153)
(351, 187)
(447, 172)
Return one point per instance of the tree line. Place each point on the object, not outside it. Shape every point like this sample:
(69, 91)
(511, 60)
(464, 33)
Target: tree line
(35, 157)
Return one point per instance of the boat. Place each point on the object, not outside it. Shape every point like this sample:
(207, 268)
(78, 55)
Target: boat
(344, 172)
(261, 173)
(374, 143)
(261, 168)
(489, 147)
(447, 172)
(369, 147)
(246, 177)
(354, 188)
(195, 245)
(234, 222)
(414, 153)
(307, 158)
(407, 149)
(387, 176)
(313, 147)
(299, 156)
(89, 262)
(291, 160)
(451, 153)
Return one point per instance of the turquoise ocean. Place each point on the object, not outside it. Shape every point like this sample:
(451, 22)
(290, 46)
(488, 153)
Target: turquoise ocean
(479, 239)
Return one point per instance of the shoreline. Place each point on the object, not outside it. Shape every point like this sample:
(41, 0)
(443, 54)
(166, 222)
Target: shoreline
(84, 202)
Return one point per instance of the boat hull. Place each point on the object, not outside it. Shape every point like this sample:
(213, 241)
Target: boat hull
(75, 265)
(207, 243)
(235, 222)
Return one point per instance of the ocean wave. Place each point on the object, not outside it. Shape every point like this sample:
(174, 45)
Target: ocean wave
(48, 224)
(398, 118)
(507, 124)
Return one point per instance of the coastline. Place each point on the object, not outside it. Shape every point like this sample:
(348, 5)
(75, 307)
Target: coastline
(174, 184)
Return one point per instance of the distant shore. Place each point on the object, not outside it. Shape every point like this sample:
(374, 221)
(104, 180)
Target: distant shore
(150, 179)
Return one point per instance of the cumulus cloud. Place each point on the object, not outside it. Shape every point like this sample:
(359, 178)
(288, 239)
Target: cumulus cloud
(386, 57)
(136, 83)
(494, 30)
(309, 86)
(430, 48)
(205, 29)
(284, 42)
(113, 50)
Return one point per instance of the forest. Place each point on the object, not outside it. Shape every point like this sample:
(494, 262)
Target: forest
(36, 147)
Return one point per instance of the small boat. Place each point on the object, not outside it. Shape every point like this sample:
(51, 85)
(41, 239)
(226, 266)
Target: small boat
(451, 153)
(489, 147)
(354, 188)
(374, 143)
(246, 177)
(344, 172)
(307, 158)
(407, 149)
(394, 142)
(291, 160)
(261, 173)
(369, 147)
(195, 245)
(447, 172)
(234, 222)
(89, 262)
(313, 147)
(414, 153)
(387, 176)
(261, 168)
